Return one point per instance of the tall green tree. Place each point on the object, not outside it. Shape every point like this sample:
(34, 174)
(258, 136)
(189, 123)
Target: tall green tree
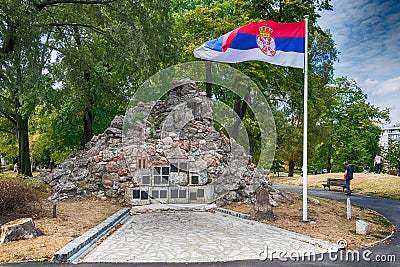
(23, 57)
(27, 44)
(83, 57)
(105, 53)
(393, 156)
(348, 123)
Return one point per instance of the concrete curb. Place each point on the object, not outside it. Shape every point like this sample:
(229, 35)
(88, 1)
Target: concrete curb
(233, 213)
(76, 248)
(171, 207)
(378, 241)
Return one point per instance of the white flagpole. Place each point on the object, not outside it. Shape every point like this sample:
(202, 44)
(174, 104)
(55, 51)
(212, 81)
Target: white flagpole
(305, 130)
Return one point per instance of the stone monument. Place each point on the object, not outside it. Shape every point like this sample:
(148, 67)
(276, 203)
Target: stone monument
(175, 155)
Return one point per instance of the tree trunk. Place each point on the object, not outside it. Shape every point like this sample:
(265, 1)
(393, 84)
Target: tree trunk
(240, 109)
(252, 144)
(208, 78)
(88, 115)
(87, 127)
(329, 165)
(24, 161)
(262, 209)
(280, 10)
(291, 168)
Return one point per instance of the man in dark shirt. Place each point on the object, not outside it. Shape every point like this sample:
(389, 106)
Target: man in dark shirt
(348, 175)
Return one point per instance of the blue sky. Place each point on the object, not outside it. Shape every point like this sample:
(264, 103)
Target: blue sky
(367, 34)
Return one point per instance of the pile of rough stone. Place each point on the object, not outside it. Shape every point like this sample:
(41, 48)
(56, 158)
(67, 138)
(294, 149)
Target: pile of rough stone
(104, 168)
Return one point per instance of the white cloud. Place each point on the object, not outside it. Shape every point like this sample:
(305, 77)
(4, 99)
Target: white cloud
(368, 39)
(389, 88)
(384, 94)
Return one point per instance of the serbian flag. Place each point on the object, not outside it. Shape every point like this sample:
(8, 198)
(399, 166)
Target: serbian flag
(273, 42)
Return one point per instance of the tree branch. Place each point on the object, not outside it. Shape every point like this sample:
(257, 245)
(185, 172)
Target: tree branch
(8, 117)
(267, 10)
(9, 132)
(276, 99)
(46, 3)
(6, 99)
(78, 58)
(76, 25)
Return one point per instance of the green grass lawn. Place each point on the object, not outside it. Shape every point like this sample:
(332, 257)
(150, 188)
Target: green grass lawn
(377, 185)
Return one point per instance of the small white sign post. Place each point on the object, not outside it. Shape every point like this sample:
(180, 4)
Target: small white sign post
(348, 209)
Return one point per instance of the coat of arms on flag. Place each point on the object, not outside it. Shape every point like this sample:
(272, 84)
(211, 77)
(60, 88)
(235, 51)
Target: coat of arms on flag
(265, 41)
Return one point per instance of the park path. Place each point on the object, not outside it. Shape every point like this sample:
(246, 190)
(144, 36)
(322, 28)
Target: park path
(194, 236)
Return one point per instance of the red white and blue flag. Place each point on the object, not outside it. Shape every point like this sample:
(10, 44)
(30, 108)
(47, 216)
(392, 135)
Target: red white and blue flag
(273, 42)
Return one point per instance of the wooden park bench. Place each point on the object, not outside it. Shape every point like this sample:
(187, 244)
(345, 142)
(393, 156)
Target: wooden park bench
(334, 182)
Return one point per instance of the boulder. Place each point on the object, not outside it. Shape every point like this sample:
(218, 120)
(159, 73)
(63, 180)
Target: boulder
(123, 172)
(287, 196)
(107, 180)
(262, 209)
(18, 229)
(58, 173)
(65, 187)
(313, 200)
(272, 201)
(112, 167)
(118, 122)
(112, 130)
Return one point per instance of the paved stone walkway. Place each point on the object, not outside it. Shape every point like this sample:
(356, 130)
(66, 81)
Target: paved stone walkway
(193, 236)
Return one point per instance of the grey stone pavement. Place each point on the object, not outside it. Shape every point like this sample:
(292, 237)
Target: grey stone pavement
(389, 208)
(192, 236)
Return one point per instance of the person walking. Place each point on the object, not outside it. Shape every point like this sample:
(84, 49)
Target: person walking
(378, 161)
(15, 168)
(365, 169)
(348, 176)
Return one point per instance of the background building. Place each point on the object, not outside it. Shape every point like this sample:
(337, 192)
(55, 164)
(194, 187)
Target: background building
(390, 134)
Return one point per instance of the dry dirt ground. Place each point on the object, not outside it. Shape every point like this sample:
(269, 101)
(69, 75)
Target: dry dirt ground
(73, 219)
(330, 219)
(76, 217)
(378, 185)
